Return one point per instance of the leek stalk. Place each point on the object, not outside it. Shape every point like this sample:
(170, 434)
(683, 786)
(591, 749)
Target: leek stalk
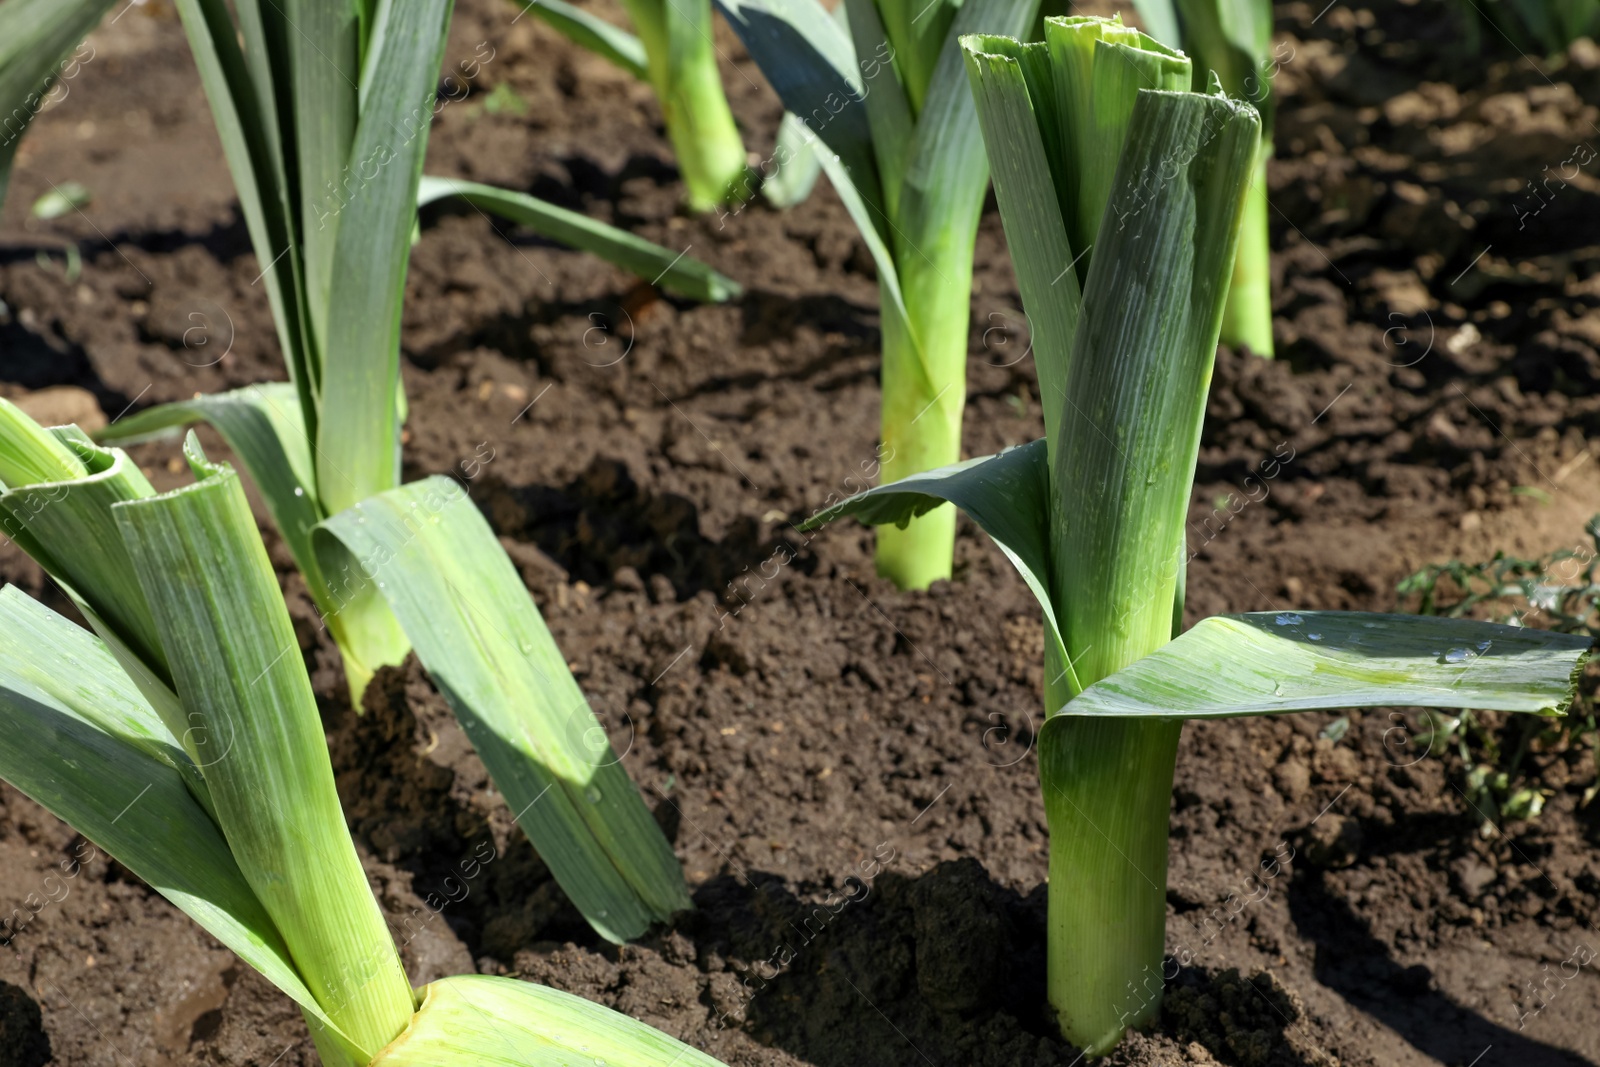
(900, 143)
(924, 391)
(682, 64)
(1093, 515)
(676, 54)
(1247, 320)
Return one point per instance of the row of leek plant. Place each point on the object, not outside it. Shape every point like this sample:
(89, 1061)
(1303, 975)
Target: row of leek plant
(1093, 515)
(323, 110)
(882, 90)
(1233, 40)
(185, 741)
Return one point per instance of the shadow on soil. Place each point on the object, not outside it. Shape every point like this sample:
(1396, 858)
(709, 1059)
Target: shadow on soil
(1359, 967)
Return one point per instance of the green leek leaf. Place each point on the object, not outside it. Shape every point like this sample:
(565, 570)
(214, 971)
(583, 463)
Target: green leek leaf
(917, 33)
(476, 630)
(1266, 663)
(593, 33)
(807, 56)
(1160, 19)
(82, 742)
(673, 271)
(944, 183)
(503, 1022)
(1123, 463)
(358, 435)
(66, 526)
(1247, 24)
(69, 530)
(264, 427)
(37, 38)
(1025, 187)
(236, 662)
(888, 111)
(31, 454)
(1100, 67)
(871, 222)
(1231, 40)
(321, 43)
(100, 698)
(795, 163)
(243, 103)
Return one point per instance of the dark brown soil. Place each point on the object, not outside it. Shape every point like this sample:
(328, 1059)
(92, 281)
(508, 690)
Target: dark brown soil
(846, 770)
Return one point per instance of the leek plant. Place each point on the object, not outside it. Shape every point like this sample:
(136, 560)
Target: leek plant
(675, 54)
(900, 144)
(1093, 515)
(185, 741)
(1233, 40)
(425, 547)
(323, 112)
